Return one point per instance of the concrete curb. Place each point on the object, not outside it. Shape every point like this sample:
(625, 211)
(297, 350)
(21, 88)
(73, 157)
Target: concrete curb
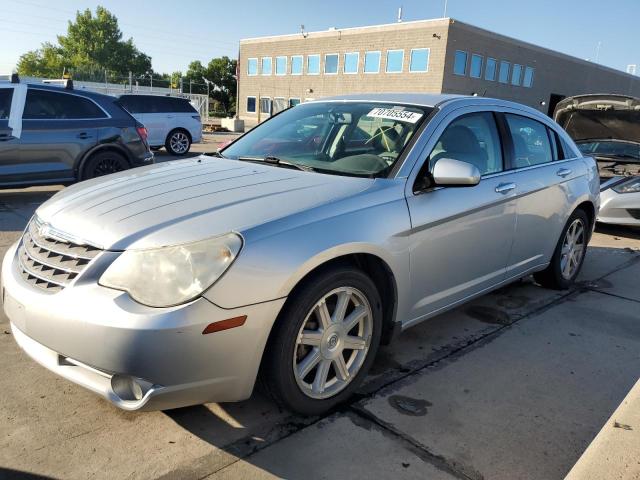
(615, 452)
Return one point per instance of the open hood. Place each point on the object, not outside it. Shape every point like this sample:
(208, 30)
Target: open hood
(600, 117)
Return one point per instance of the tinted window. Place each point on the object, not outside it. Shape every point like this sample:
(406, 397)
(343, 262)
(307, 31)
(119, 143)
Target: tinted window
(351, 62)
(371, 62)
(476, 66)
(460, 63)
(531, 142)
(251, 104)
(43, 105)
(293, 102)
(419, 60)
(331, 63)
(395, 59)
(490, 71)
(5, 102)
(313, 64)
(131, 103)
(474, 139)
(296, 65)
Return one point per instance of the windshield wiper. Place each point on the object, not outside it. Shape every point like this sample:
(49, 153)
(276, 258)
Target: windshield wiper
(216, 154)
(277, 162)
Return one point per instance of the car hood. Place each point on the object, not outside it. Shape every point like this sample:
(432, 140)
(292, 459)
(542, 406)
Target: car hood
(187, 200)
(600, 117)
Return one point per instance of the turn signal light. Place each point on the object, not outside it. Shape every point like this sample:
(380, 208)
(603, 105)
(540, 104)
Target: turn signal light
(225, 324)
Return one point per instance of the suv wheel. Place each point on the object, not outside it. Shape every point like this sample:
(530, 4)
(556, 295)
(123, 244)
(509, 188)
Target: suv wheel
(103, 163)
(178, 142)
(569, 254)
(325, 341)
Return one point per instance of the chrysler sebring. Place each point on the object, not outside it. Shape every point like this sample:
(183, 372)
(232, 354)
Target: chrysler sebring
(292, 253)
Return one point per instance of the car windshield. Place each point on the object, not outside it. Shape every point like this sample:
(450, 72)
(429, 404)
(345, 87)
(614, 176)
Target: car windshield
(344, 138)
(610, 148)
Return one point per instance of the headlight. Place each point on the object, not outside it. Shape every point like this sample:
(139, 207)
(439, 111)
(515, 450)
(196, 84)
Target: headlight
(168, 276)
(628, 186)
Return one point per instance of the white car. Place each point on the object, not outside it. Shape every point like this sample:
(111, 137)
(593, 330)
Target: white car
(171, 122)
(620, 199)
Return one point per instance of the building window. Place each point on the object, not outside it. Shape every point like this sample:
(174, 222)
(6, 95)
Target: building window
(351, 61)
(516, 74)
(279, 104)
(475, 70)
(293, 102)
(266, 65)
(296, 65)
(460, 63)
(503, 76)
(490, 70)
(371, 62)
(252, 66)
(419, 60)
(281, 65)
(395, 59)
(265, 105)
(251, 104)
(313, 64)
(528, 77)
(331, 63)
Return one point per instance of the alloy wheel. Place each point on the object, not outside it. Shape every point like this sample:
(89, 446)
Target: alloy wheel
(573, 249)
(333, 343)
(179, 142)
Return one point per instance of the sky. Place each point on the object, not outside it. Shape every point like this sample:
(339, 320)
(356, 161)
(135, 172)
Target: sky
(174, 33)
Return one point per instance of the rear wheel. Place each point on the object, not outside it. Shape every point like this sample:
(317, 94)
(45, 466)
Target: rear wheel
(178, 142)
(325, 341)
(569, 255)
(104, 163)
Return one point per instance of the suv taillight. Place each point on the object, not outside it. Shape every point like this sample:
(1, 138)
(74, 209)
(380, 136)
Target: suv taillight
(143, 133)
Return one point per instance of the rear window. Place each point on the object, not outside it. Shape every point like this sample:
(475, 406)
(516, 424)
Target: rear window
(6, 94)
(47, 105)
(155, 104)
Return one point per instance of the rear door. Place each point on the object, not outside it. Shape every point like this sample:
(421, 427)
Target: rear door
(157, 118)
(58, 128)
(9, 136)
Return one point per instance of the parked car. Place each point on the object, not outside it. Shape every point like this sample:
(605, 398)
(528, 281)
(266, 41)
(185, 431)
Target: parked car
(607, 127)
(51, 135)
(172, 122)
(182, 283)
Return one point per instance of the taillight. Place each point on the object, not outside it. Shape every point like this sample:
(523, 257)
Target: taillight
(143, 133)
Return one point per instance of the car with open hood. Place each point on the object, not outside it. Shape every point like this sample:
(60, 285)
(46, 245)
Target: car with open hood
(295, 251)
(607, 127)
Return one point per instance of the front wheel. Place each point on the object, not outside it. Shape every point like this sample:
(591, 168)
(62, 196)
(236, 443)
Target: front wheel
(325, 341)
(569, 254)
(178, 142)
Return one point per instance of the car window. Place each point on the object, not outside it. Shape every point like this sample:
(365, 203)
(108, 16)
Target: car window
(46, 105)
(6, 94)
(472, 138)
(531, 142)
(131, 103)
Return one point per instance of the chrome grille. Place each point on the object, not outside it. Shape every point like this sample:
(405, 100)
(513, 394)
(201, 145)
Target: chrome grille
(51, 263)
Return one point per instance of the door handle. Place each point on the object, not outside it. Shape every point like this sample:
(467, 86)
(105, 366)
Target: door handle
(563, 172)
(505, 188)
(84, 136)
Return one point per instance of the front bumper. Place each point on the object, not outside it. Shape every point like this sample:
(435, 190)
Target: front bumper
(101, 339)
(619, 208)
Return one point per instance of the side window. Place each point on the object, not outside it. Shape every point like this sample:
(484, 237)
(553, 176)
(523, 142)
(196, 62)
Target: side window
(6, 94)
(46, 105)
(131, 103)
(531, 142)
(472, 138)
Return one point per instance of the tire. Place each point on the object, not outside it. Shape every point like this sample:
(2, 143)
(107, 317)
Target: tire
(178, 142)
(288, 350)
(565, 267)
(103, 163)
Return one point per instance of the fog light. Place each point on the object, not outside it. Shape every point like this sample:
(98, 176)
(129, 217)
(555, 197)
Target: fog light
(129, 388)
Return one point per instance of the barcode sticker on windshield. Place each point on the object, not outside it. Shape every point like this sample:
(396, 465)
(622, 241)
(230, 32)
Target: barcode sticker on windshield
(395, 114)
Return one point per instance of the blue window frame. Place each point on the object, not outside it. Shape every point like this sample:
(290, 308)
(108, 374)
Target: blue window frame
(281, 65)
(252, 66)
(395, 60)
(475, 70)
(419, 60)
(516, 74)
(331, 64)
(267, 65)
(372, 62)
(490, 70)
(296, 65)
(313, 64)
(351, 61)
(460, 63)
(528, 77)
(503, 75)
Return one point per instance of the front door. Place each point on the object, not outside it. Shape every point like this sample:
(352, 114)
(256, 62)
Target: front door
(461, 236)
(9, 138)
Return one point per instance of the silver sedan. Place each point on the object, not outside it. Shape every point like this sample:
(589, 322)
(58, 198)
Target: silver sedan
(296, 250)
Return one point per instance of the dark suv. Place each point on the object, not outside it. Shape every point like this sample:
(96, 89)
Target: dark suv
(58, 135)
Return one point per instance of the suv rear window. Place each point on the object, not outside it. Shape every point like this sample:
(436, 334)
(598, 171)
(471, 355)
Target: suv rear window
(45, 105)
(6, 94)
(155, 104)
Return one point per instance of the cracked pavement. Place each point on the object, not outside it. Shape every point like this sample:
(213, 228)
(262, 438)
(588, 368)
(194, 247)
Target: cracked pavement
(515, 384)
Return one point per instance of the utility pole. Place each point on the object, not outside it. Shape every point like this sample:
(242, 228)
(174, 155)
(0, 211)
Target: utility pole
(106, 88)
(190, 86)
(151, 79)
(130, 81)
(445, 9)
(598, 51)
(181, 85)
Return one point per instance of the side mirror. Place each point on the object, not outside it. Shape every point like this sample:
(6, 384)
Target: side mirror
(448, 172)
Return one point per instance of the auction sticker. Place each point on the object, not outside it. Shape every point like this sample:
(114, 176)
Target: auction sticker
(395, 114)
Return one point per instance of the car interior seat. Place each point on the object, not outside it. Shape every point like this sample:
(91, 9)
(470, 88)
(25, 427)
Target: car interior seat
(460, 143)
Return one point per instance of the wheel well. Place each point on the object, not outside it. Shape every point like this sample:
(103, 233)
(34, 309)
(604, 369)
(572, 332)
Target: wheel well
(382, 277)
(589, 209)
(105, 148)
(179, 129)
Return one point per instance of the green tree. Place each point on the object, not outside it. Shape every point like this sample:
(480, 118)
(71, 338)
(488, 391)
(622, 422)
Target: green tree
(221, 73)
(93, 44)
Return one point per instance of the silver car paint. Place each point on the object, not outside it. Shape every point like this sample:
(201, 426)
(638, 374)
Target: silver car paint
(615, 206)
(442, 247)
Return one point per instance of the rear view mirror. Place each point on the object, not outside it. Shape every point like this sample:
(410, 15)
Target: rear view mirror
(448, 172)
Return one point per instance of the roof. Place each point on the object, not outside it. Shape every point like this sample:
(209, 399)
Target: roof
(422, 99)
(77, 91)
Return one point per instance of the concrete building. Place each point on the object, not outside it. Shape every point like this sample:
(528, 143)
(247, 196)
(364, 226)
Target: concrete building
(434, 56)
